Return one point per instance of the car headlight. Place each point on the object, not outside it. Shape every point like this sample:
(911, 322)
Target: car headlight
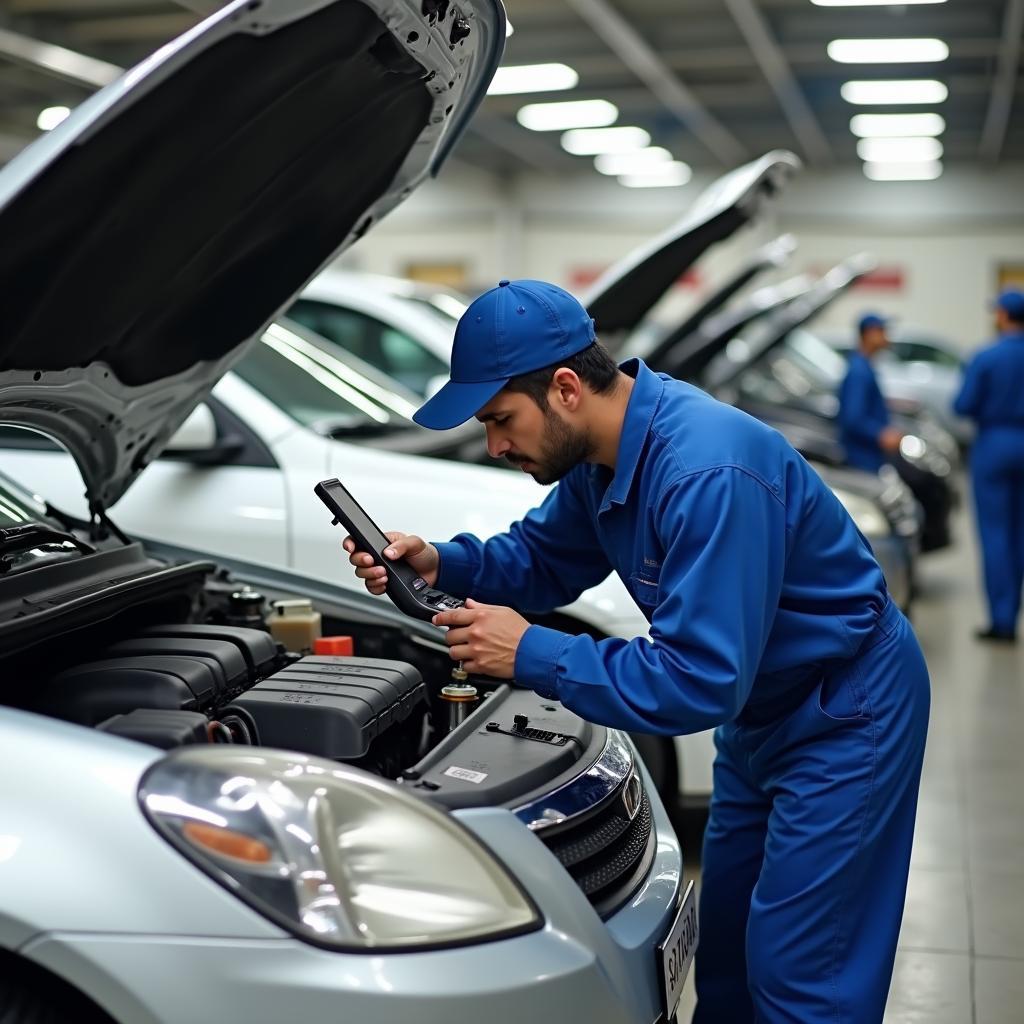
(864, 513)
(334, 855)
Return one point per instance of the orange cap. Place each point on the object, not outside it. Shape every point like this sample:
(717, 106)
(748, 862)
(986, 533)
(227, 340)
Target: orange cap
(333, 645)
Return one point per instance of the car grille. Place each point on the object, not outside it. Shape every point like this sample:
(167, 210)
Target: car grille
(609, 850)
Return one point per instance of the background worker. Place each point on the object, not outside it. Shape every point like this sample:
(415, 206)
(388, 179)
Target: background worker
(992, 394)
(769, 619)
(864, 428)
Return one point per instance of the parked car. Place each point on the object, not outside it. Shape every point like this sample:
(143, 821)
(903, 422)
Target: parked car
(918, 368)
(753, 362)
(201, 824)
(406, 329)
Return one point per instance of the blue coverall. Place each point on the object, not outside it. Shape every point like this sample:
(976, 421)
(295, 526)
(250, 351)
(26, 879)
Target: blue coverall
(993, 395)
(863, 415)
(769, 619)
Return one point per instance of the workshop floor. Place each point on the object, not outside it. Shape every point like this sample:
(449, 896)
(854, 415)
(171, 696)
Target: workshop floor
(961, 953)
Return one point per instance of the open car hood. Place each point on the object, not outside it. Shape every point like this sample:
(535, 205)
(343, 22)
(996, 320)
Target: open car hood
(775, 327)
(627, 291)
(772, 256)
(694, 352)
(151, 237)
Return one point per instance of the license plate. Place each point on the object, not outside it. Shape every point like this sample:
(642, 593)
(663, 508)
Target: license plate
(675, 954)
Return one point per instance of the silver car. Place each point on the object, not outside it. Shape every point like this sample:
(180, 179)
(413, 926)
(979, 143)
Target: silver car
(202, 822)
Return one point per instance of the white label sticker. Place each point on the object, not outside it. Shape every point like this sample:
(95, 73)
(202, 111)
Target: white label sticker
(466, 775)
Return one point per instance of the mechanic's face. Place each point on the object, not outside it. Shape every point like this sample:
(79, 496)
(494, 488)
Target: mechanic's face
(875, 339)
(539, 441)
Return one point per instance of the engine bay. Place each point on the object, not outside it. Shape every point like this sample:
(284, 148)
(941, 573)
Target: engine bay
(180, 652)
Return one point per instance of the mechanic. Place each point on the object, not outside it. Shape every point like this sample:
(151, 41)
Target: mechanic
(864, 428)
(993, 395)
(769, 619)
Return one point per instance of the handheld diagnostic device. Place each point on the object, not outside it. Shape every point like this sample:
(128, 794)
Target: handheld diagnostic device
(409, 591)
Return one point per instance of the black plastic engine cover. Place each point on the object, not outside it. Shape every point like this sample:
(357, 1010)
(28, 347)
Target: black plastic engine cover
(259, 649)
(333, 706)
(159, 728)
(90, 693)
(230, 668)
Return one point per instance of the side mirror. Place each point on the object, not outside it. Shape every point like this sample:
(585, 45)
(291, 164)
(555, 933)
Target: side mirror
(197, 433)
(199, 441)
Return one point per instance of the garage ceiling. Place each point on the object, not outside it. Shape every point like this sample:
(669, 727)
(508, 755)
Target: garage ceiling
(713, 81)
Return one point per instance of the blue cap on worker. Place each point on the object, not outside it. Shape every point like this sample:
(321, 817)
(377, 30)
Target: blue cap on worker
(871, 320)
(512, 329)
(1011, 302)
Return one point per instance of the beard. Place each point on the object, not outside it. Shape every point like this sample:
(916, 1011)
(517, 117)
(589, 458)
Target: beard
(561, 449)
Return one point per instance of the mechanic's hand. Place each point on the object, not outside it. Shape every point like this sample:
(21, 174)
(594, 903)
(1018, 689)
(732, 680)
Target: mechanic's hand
(484, 637)
(889, 439)
(423, 557)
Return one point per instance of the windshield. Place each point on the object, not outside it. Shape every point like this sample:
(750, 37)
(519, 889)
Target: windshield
(18, 507)
(20, 511)
(318, 390)
(383, 346)
(803, 372)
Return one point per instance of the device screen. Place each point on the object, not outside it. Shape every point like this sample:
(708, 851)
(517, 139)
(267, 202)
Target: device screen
(360, 520)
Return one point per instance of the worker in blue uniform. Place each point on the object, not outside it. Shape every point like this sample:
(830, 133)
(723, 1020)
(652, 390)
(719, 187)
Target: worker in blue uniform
(864, 428)
(769, 619)
(993, 396)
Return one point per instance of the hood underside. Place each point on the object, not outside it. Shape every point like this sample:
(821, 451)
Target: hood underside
(625, 293)
(153, 235)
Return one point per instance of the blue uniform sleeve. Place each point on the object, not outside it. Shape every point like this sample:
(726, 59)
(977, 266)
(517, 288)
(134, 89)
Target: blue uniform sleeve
(725, 540)
(544, 561)
(862, 414)
(968, 401)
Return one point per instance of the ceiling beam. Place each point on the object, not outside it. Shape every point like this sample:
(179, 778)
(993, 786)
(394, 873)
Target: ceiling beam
(638, 55)
(994, 133)
(132, 27)
(57, 61)
(755, 30)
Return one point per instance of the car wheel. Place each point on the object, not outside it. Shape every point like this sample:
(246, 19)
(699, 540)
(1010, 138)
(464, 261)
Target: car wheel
(29, 995)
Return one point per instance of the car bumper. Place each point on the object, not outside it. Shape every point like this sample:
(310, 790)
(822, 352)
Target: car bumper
(577, 967)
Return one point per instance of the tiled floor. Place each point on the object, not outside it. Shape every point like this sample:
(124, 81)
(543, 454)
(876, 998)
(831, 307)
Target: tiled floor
(961, 955)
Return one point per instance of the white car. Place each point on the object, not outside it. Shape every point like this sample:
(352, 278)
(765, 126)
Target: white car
(919, 369)
(199, 824)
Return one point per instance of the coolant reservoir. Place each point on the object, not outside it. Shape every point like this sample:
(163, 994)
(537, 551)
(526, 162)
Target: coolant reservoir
(295, 624)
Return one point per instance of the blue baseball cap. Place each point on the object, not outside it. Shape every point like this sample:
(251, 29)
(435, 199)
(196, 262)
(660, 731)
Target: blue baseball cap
(871, 320)
(512, 329)
(1011, 302)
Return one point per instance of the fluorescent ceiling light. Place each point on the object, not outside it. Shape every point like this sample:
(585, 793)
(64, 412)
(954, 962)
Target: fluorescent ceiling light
(636, 161)
(557, 117)
(669, 175)
(872, 3)
(887, 51)
(904, 172)
(896, 151)
(898, 126)
(591, 141)
(919, 90)
(532, 78)
(51, 117)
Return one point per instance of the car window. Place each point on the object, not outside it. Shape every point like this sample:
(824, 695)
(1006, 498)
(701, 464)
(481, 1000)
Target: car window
(18, 507)
(387, 348)
(22, 437)
(308, 391)
(912, 351)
